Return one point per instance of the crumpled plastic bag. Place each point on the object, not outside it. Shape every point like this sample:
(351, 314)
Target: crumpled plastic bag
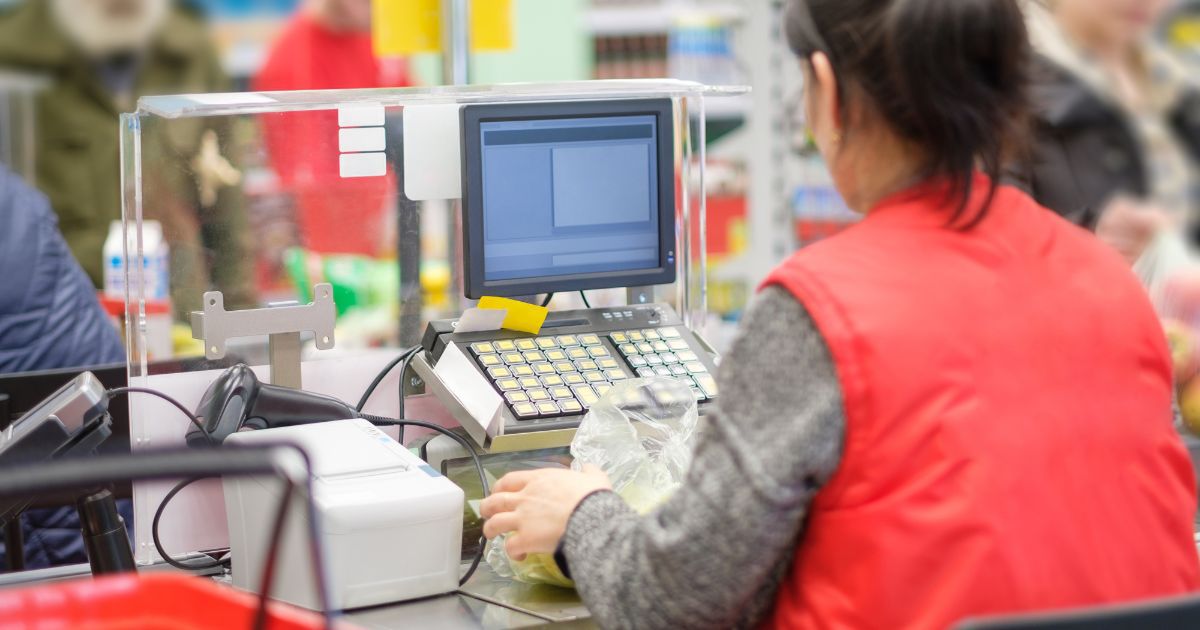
(641, 434)
(1170, 271)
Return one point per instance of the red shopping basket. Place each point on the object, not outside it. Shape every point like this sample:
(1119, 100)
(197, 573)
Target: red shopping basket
(163, 601)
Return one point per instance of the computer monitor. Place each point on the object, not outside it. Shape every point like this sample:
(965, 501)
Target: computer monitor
(567, 196)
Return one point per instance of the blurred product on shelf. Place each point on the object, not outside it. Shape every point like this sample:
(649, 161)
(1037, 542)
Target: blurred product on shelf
(243, 30)
(631, 57)
(700, 50)
(358, 281)
(1183, 32)
(156, 286)
(820, 213)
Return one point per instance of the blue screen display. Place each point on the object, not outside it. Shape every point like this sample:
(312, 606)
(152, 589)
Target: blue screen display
(570, 196)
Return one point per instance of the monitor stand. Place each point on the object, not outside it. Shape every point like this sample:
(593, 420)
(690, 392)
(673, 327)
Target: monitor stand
(639, 295)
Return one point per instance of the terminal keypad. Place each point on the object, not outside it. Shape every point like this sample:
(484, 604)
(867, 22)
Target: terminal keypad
(563, 375)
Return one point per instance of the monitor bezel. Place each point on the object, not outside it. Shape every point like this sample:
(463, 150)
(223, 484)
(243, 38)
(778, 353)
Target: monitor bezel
(472, 116)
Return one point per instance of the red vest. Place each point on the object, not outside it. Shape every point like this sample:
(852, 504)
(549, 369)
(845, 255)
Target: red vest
(1009, 444)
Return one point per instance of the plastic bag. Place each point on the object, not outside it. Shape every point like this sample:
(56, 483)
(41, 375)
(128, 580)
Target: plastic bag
(1170, 272)
(641, 434)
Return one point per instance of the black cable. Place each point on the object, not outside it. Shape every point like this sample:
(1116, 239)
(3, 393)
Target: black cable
(193, 566)
(585, 300)
(546, 302)
(158, 546)
(362, 402)
(117, 391)
(380, 421)
(403, 360)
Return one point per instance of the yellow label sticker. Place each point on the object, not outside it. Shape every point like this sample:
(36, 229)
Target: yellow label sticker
(407, 27)
(522, 316)
(491, 25)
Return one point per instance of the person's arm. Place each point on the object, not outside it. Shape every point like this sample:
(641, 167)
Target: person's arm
(715, 553)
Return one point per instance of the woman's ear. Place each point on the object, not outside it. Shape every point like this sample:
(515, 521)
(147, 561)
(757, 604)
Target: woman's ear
(825, 115)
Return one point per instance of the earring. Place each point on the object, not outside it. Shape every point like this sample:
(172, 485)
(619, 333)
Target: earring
(837, 137)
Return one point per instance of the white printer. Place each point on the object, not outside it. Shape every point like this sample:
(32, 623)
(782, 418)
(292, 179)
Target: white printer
(391, 525)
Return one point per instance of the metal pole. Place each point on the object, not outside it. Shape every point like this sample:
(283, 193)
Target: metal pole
(456, 41)
(456, 70)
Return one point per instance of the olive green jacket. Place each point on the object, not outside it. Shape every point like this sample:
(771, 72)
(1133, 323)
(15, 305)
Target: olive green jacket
(78, 156)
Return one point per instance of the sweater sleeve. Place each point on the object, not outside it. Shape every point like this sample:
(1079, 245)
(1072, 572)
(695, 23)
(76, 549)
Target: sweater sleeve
(715, 553)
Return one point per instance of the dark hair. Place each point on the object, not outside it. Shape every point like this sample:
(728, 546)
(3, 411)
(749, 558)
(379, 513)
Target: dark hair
(948, 75)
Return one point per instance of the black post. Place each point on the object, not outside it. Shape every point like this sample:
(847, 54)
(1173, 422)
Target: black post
(104, 535)
(408, 230)
(14, 545)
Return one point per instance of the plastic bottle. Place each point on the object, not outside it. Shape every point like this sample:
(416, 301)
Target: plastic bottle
(156, 271)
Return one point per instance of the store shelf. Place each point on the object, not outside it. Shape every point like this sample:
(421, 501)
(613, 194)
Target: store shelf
(653, 17)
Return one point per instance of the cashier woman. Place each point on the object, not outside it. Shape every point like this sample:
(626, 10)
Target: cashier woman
(961, 406)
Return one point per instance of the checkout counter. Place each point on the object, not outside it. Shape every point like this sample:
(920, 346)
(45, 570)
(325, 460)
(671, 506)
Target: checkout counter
(529, 190)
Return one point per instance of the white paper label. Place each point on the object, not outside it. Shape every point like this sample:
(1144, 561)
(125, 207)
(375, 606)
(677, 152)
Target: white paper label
(432, 133)
(356, 139)
(360, 115)
(480, 320)
(363, 164)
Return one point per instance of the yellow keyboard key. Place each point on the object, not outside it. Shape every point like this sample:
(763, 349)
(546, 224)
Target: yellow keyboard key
(525, 410)
(488, 360)
(586, 395)
(521, 370)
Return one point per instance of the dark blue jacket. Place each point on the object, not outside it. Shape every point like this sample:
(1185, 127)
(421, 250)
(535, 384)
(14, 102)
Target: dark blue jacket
(49, 315)
(49, 318)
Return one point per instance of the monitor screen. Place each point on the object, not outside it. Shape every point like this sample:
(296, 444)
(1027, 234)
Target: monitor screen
(568, 196)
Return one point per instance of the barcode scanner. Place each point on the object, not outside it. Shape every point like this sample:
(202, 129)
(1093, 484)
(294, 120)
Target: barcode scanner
(238, 401)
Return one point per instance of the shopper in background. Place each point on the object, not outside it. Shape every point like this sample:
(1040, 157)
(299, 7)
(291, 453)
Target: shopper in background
(49, 315)
(326, 46)
(1117, 145)
(99, 57)
(960, 406)
(49, 319)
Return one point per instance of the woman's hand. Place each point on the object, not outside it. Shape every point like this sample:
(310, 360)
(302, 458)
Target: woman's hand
(535, 506)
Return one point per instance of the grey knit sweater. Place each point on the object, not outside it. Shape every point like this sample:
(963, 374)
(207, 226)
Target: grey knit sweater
(714, 555)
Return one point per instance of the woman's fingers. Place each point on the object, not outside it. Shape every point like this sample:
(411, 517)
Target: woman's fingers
(515, 481)
(500, 524)
(498, 503)
(515, 548)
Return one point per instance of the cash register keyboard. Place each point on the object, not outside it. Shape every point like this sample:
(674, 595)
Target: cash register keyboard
(566, 374)
(567, 369)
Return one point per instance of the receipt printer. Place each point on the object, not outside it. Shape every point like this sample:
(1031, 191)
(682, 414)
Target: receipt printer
(391, 525)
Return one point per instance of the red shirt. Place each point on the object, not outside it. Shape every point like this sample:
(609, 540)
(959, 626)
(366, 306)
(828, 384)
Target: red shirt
(335, 215)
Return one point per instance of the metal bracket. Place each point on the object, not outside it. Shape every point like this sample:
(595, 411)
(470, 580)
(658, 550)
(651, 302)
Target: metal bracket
(283, 323)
